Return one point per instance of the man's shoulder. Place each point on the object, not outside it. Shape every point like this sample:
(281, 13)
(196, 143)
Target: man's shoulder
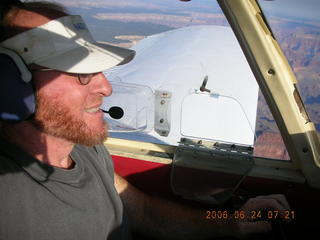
(98, 155)
(99, 149)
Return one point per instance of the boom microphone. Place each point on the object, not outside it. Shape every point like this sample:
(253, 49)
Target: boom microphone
(114, 112)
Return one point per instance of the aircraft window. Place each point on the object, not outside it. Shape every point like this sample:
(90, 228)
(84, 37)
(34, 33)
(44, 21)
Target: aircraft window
(295, 24)
(221, 125)
(125, 23)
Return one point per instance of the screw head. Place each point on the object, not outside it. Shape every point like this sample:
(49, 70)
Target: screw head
(271, 72)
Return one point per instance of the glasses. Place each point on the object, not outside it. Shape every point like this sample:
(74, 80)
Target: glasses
(83, 79)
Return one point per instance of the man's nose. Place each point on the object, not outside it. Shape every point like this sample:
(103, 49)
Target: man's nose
(102, 85)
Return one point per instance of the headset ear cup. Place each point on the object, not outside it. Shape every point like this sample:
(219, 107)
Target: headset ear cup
(17, 100)
(24, 71)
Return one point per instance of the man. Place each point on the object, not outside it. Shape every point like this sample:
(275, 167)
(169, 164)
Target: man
(56, 178)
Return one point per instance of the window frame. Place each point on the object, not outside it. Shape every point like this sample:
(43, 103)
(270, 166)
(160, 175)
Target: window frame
(277, 83)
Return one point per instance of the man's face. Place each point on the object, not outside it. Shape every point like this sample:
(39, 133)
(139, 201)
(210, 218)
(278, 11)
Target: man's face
(68, 110)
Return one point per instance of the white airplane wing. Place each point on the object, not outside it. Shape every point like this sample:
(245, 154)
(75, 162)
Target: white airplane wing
(173, 65)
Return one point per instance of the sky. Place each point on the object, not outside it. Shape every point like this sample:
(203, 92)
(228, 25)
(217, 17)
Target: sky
(296, 9)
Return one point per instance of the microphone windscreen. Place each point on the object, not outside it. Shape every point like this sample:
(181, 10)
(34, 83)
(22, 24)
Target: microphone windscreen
(116, 112)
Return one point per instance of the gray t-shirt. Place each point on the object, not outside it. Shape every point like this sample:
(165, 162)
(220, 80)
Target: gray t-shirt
(38, 201)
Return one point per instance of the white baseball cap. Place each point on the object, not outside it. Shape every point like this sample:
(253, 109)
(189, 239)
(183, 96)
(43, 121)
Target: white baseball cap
(65, 44)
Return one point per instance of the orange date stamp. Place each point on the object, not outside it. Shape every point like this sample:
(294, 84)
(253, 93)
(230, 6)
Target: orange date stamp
(252, 215)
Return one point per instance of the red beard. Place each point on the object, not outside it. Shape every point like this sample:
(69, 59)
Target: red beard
(54, 119)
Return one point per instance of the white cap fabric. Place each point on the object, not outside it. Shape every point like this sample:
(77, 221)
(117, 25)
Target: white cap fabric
(65, 44)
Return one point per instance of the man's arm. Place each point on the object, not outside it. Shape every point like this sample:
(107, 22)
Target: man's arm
(162, 219)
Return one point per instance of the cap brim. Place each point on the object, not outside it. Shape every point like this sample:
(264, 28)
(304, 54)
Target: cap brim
(88, 58)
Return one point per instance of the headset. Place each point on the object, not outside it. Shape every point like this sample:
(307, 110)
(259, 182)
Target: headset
(17, 99)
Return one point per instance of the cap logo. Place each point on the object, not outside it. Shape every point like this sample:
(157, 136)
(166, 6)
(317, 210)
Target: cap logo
(80, 26)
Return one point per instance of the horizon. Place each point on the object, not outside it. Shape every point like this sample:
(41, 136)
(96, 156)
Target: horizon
(299, 10)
